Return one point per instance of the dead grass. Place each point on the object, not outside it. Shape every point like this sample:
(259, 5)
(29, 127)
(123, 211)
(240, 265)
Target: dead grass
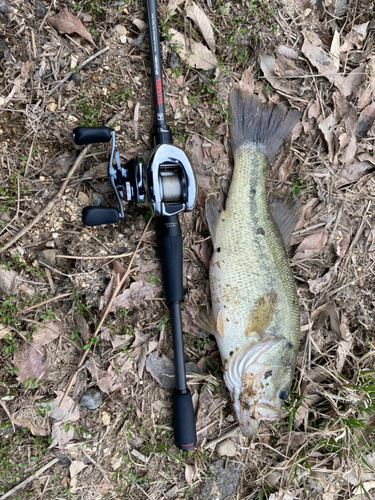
(323, 448)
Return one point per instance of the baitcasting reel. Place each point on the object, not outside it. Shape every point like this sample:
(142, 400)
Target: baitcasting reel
(163, 179)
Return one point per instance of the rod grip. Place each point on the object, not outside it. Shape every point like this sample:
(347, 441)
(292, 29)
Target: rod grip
(91, 135)
(96, 216)
(185, 435)
(170, 249)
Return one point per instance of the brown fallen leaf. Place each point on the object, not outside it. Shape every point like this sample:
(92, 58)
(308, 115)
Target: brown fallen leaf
(76, 467)
(355, 38)
(288, 52)
(342, 245)
(267, 64)
(293, 439)
(62, 433)
(317, 285)
(195, 54)
(67, 412)
(119, 269)
(365, 121)
(138, 292)
(200, 18)
(203, 251)
(82, 326)
(315, 241)
(65, 23)
(104, 487)
(172, 6)
(30, 363)
(369, 90)
(4, 331)
(327, 128)
(28, 417)
(48, 332)
(25, 70)
(326, 310)
(306, 214)
(352, 173)
(345, 344)
(189, 475)
(318, 57)
(349, 83)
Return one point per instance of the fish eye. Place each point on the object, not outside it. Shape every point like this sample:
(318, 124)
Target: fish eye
(284, 394)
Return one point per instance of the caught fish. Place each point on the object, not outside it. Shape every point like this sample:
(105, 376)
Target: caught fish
(255, 309)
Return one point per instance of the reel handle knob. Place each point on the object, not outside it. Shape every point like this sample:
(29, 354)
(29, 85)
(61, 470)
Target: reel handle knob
(96, 216)
(90, 135)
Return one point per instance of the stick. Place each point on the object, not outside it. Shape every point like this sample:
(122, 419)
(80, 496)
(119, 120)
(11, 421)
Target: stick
(29, 479)
(220, 438)
(46, 302)
(107, 310)
(52, 204)
(91, 58)
(96, 257)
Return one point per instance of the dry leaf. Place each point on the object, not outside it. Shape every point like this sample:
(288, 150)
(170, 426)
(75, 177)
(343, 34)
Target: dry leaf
(75, 468)
(288, 52)
(203, 251)
(317, 285)
(355, 38)
(30, 364)
(141, 25)
(267, 66)
(366, 97)
(319, 58)
(335, 50)
(82, 326)
(106, 418)
(293, 439)
(314, 110)
(172, 6)
(327, 126)
(135, 294)
(311, 246)
(365, 121)
(189, 475)
(4, 331)
(246, 83)
(25, 70)
(352, 173)
(65, 23)
(141, 363)
(62, 433)
(200, 18)
(47, 333)
(349, 83)
(105, 298)
(194, 54)
(104, 487)
(68, 411)
(345, 344)
(31, 420)
(119, 269)
(342, 245)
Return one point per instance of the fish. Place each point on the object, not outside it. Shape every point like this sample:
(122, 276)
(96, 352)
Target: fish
(255, 308)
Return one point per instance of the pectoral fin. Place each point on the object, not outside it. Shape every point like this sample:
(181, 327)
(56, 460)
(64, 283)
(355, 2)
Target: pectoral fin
(213, 209)
(286, 212)
(206, 322)
(263, 313)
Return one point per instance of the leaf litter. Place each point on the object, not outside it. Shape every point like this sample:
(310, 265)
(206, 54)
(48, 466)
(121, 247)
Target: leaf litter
(329, 166)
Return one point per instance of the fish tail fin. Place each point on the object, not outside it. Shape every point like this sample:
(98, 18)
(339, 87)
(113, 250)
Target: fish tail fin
(265, 125)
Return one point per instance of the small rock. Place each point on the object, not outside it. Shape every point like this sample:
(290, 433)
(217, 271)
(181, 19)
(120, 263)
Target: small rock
(83, 199)
(162, 369)
(50, 244)
(226, 448)
(123, 39)
(47, 257)
(172, 492)
(97, 199)
(223, 482)
(4, 6)
(185, 100)
(121, 30)
(52, 107)
(2, 101)
(72, 119)
(130, 104)
(76, 77)
(92, 398)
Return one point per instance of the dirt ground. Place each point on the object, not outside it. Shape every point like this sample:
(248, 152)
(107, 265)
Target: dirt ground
(57, 277)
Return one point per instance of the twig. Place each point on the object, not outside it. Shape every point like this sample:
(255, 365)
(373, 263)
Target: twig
(107, 310)
(29, 479)
(46, 302)
(56, 199)
(221, 438)
(97, 54)
(9, 415)
(96, 465)
(96, 257)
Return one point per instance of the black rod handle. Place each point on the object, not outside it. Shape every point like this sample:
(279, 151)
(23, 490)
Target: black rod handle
(185, 435)
(91, 135)
(95, 216)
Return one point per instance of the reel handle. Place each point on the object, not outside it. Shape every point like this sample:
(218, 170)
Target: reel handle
(91, 135)
(96, 216)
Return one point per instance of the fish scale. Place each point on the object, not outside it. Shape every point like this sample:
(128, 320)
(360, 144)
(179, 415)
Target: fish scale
(254, 300)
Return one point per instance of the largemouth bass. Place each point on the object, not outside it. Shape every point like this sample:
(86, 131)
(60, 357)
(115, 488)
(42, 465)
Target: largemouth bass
(255, 307)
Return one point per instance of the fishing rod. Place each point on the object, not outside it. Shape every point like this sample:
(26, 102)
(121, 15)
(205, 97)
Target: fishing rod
(162, 179)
